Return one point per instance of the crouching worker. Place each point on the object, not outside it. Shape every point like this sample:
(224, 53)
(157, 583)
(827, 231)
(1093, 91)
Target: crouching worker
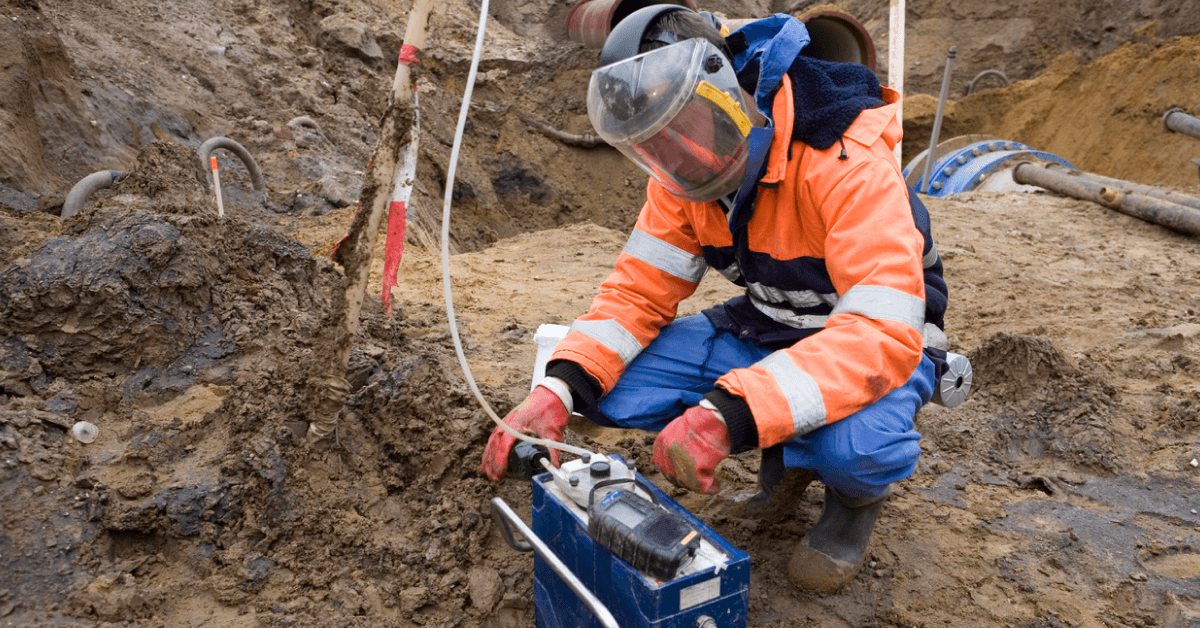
(777, 171)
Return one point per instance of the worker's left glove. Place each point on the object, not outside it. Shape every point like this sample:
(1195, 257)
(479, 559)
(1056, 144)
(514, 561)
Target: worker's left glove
(689, 449)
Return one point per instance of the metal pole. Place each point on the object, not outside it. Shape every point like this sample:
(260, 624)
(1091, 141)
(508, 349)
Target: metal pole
(505, 516)
(937, 118)
(1178, 121)
(1167, 214)
(1129, 186)
(896, 59)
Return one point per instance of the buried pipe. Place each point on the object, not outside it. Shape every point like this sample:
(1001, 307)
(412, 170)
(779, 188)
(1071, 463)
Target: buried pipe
(1165, 213)
(1179, 122)
(305, 122)
(984, 74)
(590, 21)
(87, 186)
(587, 139)
(256, 177)
(1129, 186)
(836, 35)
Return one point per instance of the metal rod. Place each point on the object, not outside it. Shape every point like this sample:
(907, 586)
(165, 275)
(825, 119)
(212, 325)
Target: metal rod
(1129, 186)
(501, 510)
(1178, 121)
(937, 119)
(1165, 213)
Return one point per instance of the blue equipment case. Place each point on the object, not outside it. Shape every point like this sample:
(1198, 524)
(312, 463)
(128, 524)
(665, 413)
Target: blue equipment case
(722, 593)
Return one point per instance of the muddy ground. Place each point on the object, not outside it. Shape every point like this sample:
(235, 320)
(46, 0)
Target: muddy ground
(1064, 492)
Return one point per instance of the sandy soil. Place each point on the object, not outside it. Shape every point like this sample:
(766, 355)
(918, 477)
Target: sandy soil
(1064, 492)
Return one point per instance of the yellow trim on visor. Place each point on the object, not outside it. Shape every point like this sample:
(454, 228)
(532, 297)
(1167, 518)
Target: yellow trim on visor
(727, 104)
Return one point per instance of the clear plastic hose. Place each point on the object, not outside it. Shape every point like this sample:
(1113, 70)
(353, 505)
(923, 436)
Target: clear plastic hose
(462, 359)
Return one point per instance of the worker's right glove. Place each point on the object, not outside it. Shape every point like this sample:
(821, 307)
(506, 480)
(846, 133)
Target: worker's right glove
(542, 414)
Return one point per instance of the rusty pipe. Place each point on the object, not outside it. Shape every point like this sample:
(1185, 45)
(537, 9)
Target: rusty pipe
(1179, 122)
(590, 21)
(1129, 186)
(1164, 213)
(836, 36)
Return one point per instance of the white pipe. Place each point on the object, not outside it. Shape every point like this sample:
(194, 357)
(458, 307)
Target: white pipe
(896, 58)
(448, 197)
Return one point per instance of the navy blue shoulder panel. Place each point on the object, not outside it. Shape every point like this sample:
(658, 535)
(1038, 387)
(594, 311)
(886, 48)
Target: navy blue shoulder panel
(937, 297)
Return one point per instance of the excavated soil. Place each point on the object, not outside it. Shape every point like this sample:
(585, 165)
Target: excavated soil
(1063, 493)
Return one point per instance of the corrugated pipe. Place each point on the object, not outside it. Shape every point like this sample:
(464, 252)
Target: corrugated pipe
(256, 178)
(1178, 121)
(1129, 186)
(1165, 213)
(87, 186)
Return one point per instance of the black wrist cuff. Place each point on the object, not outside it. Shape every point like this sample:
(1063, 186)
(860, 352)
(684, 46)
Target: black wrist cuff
(585, 389)
(743, 433)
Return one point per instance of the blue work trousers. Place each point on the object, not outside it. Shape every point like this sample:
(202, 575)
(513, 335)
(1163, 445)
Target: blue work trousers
(859, 455)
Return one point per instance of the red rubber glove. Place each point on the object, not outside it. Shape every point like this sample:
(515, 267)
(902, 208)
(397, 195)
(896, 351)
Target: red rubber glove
(542, 414)
(690, 448)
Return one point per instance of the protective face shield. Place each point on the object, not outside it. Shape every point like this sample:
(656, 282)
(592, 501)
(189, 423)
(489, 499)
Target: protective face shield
(678, 113)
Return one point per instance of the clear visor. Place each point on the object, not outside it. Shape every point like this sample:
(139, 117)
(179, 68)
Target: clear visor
(678, 113)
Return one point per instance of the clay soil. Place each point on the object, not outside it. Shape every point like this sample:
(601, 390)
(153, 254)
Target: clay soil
(1063, 493)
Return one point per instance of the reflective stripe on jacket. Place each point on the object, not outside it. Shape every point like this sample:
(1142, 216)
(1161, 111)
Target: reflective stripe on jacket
(843, 253)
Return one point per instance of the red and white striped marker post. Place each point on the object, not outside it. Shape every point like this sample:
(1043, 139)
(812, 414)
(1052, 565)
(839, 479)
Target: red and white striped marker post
(217, 188)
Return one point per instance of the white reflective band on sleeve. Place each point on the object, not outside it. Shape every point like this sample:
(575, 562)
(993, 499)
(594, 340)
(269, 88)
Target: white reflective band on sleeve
(883, 303)
(733, 272)
(803, 397)
(788, 317)
(931, 257)
(794, 298)
(935, 337)
(610, 334)
(665, 256)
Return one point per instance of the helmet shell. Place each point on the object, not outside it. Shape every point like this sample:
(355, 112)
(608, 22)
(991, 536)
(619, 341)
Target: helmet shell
(626, 37)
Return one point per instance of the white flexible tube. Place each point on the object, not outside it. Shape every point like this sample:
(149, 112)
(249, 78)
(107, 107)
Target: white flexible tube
(462, 359)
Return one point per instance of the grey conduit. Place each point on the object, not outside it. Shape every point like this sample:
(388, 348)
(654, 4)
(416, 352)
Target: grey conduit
(985, 73)
(206, 149)
(1178, 121)
(305, 122)
(87, 186)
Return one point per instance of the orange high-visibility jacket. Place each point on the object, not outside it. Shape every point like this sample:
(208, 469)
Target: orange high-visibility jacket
(853, 214)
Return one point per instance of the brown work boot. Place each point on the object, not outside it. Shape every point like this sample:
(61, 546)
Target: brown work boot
(834, 550)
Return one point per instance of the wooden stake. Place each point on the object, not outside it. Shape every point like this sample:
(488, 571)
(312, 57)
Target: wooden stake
(896, 59)
(397, 129)
(217, 188)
